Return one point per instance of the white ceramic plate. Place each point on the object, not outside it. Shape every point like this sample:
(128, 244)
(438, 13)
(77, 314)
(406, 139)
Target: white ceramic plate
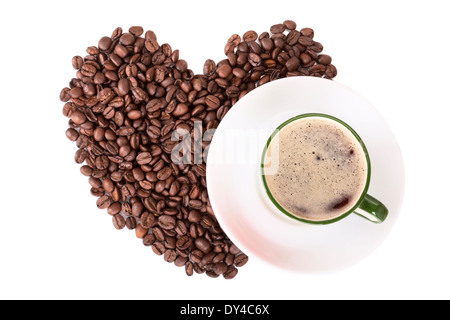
(238, 197)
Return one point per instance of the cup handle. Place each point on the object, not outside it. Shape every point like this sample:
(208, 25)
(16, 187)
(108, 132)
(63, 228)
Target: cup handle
(372, 209)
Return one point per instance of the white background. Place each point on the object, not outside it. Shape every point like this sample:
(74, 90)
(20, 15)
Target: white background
(55, 243)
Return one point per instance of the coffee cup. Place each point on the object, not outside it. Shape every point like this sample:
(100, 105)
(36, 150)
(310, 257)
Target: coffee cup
(316, 169)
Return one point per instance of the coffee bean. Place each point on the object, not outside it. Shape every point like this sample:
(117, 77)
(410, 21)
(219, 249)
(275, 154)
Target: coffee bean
(293, 64)
(293, 37)
(72, 134)
(104, 43)
(158, 248)
(220, 268)
(240, 260)
(212, 102)
(331, 71)
(140, 231)
(305, 41)
(88, 70)
(290, 25)
(305, 59)
(254, 59)
(148, 240)
(137, 208)
(105, 95)
(86, 170)
(324, 59)
(180, 261)
(224, 71)
(158, 233)
(118, 221)
(277, 28)
(170, 255)
(65, 95)
(189, 268)
(123, 87)
(80, 156)
(77, 62)
(136, 31)
(104, 202)
(209, 67)
(126, 39)
(184, 242)
(250, 36)
(114, 208)
(207, 258)
(147, 220)
(230, 273)
(166, 222)
(307, 32)
(203, 245)
(318, 68)
(143, 158)
(164, 173)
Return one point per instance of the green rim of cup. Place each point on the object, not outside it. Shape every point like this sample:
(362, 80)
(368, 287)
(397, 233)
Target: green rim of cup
(361, 197)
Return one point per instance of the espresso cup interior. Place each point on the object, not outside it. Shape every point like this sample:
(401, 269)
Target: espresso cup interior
(315, 168)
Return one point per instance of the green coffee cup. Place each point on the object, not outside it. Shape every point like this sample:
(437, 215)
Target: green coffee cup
(332, 147)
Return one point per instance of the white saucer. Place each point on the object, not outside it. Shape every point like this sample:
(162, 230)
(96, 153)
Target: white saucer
(238, 197)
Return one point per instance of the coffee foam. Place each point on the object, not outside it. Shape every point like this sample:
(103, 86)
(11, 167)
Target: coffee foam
(322, 168)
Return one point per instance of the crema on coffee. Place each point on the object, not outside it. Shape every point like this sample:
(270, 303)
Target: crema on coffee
(321, 168)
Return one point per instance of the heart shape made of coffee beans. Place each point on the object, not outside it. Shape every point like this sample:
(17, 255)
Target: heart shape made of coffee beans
(134, 101)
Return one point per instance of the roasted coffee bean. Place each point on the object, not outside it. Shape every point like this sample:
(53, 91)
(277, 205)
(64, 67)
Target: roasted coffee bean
(77, 62)
(140, 231)
(104, 43)
(183, 242)
(147, 220)
(88, 70)
(118, 221)
(148, 240)
(189, 268)
(137, 208)
(180, 261)
(240, 260)
(307, 32)
(144, 158)
(290, 25)
(136, 30)
(132, 97)
(292, 64)
(104, 202)
(203, 244)
(324, 59)
(207, 258)
(167, 222)
(230, 273)
(250, 36)
(123, 87)
(170, 255)
(331, 71)
(114, 208)
(224, 71)
(130, 222)
(277, 28)
(164, 173)
(80, 156)
(158, 248)
(86, 170)
(105, 95)
(72, 134)
(158, 233)
(254, 59)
